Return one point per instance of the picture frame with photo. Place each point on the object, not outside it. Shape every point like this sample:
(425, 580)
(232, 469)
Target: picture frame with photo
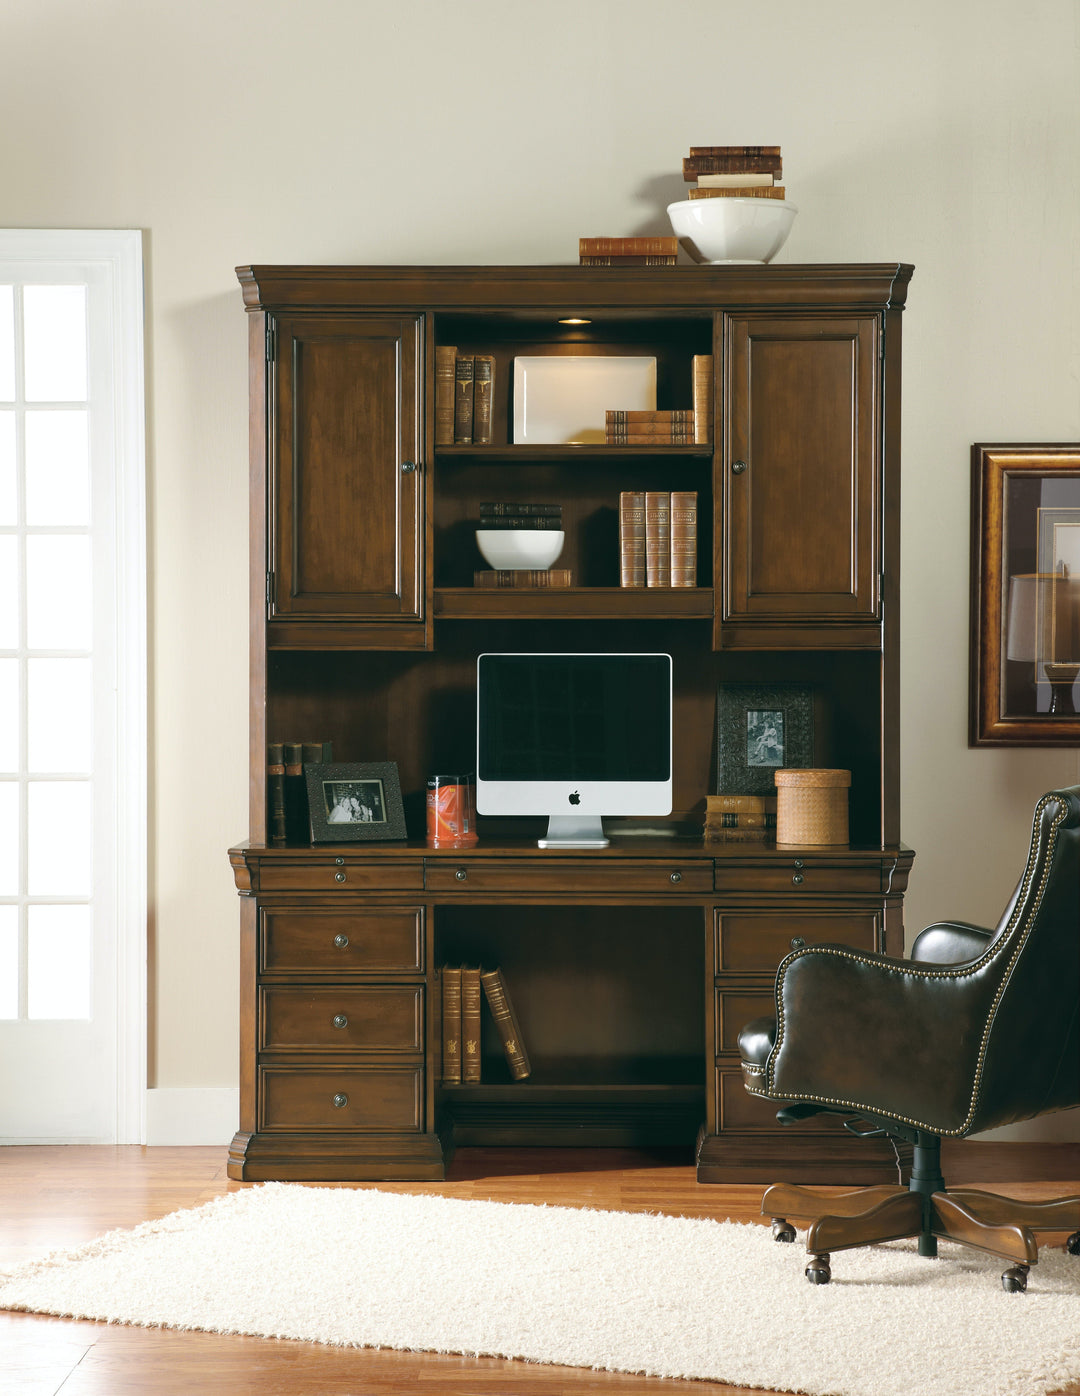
(355, 802)
(761, 728)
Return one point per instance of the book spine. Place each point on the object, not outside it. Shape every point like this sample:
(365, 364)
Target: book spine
(734, 150)
(683, 538)
(504, 521)
(483, 391)
(451, 1025)
(657, 538)
(445, 360)
(470, 1024)
(627, 261)
(628, 247)
(632, 538)
(680, 436)
(772, 191)
(524, 578)
(297, 829)
(736, 836)
(741, 804)
(463, 400)
(732, 820)
(640, 420)
(275, 792)
(702, 391)
(695, 165)
(740, 179)
(502, 1010)
(539, 511)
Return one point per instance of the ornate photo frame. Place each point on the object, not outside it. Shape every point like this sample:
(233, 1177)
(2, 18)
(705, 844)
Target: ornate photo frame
(355, 802)
(761, 728)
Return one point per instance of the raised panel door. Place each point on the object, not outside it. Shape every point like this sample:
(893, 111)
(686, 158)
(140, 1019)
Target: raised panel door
(345, 495)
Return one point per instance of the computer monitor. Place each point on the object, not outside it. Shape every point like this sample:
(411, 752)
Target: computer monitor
(575, 737)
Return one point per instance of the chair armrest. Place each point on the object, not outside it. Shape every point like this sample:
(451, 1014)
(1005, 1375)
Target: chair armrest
(950, 943)
(885, 1036)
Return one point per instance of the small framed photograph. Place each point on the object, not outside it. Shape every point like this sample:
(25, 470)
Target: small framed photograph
(759, 729)
(354, 803)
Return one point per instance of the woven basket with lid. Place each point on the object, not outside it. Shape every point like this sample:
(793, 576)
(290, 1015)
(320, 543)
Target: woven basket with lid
(812, 806)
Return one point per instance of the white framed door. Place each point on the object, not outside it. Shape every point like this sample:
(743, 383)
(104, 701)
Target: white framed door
(72, 688)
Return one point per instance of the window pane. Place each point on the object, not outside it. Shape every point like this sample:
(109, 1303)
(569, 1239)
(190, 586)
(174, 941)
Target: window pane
(9, 961)
(54, 343)
(58, 838)
(58, 962)
(7, 344)
(9, 592)
(59, 708)
(9, 716)
(57, 468)
(58, 592)
(9, 504)
(9, 838)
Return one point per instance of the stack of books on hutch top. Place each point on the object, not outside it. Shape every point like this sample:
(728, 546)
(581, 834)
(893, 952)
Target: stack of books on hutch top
(531, 518)
(628, 252)
(658, 538)
(464, 384)
(461, 989)
(734, 172)
(740, 818)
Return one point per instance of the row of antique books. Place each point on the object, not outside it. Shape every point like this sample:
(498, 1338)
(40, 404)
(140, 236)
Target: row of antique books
(462, 986)
(734, 172)
(628, 252)
(740, 818)
(658, 538)
(288, 820)
(464, 384)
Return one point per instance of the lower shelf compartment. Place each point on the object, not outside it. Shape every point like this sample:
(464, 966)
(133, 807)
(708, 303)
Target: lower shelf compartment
(573, 1116)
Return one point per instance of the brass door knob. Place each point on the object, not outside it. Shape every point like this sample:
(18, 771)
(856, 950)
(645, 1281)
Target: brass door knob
(737, 467)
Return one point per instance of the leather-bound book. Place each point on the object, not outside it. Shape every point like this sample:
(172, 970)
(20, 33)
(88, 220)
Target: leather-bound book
(451, 1024)
(275, 792)
(525, 578)
(657, 538)
(635, 419)
(741, 179)
(740, 804)
(702, 390)
(538, 511)
(684, 538)
(628, 247)
(731, 819)
(483, 388)
(615, 261)
(445, 360)
(470, 1024)
(760, 191)
(632, 538)
(669, 436)
(463, 400)
(509, 1029)
(734, 150)
(695, 165)
(297, 828)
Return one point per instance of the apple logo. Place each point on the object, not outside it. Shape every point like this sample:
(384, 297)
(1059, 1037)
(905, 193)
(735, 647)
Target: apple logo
(574, 798)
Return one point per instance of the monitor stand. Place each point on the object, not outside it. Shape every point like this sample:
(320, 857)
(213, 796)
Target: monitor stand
(574, 831)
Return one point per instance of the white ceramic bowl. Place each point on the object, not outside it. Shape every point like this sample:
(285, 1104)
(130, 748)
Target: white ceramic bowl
(516, 548)
(732, 230)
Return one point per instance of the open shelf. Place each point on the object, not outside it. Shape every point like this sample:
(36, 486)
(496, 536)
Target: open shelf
(584, 603)
(559, 455)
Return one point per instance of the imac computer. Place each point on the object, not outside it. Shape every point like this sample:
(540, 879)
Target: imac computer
(575, 737)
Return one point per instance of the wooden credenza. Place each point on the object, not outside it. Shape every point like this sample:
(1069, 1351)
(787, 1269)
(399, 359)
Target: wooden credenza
(632, 968)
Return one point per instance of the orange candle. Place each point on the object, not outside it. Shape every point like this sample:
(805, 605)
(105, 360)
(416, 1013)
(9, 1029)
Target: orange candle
(451, 812)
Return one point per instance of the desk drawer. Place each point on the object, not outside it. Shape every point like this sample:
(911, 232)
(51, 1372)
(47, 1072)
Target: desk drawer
(754, 942)
(338, 873)
(735, 1008)
(356, 1018)
(363, 940)
(736, 1109)
(801, 877)
(341, 1098)
(570, 876)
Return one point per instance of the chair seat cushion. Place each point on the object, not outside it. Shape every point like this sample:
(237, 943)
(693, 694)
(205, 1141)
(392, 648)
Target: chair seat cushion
(756, 1041)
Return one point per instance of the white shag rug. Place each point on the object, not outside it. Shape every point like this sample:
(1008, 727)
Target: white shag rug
(667, 1296)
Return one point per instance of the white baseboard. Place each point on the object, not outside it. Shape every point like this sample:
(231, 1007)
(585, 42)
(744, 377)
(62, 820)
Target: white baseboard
(196, 1115)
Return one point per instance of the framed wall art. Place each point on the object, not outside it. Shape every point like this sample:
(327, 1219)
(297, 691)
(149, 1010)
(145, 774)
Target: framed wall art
(355, 802)
(759, 729)
(1025, 595)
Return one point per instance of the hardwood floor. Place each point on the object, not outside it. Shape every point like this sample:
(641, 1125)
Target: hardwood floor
(53, 1197)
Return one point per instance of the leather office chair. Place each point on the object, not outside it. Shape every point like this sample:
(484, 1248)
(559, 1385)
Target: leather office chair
(978, 1028)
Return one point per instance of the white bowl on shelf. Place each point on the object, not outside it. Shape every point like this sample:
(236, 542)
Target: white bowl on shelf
(723, 231)
(515, 549)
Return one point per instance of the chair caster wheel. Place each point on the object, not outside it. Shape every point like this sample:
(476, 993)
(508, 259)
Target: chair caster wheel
(818, 1272)
(1072, 1245)
(782, 1230)
(1014, 1280)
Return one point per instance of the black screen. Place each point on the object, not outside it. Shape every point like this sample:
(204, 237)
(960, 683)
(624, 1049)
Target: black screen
(574, 717)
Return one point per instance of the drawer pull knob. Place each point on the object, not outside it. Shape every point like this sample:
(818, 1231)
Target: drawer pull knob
(339, 877)
(676, 877)
(737, 467)
(407, 467)
(340, 1021)
(341, 941)
(797, 942)
(340, 1101)
(798, 862)
(797, 878)
(461, 874)
(340, 862)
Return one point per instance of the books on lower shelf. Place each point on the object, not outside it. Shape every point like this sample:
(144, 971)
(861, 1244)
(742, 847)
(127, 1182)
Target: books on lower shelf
(464, 388)
(462, 987)
(740, 819)
(525, 578)
(288, 820)
(658, 538)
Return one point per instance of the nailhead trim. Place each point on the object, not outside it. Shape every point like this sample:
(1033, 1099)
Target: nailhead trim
(998, 948)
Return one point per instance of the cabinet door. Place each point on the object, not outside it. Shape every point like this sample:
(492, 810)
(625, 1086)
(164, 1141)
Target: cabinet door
(345, 488)
(802, 469)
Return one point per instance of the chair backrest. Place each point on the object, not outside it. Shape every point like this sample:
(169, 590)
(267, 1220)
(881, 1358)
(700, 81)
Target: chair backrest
(1031, 1051)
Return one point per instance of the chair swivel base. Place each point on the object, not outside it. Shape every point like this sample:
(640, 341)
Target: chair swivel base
(1002, 1226)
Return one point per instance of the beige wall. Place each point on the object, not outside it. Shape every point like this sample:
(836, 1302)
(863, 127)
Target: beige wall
(940, 132)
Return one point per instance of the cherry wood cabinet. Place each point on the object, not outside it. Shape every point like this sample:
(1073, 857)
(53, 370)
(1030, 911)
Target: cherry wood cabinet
(632, 968)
